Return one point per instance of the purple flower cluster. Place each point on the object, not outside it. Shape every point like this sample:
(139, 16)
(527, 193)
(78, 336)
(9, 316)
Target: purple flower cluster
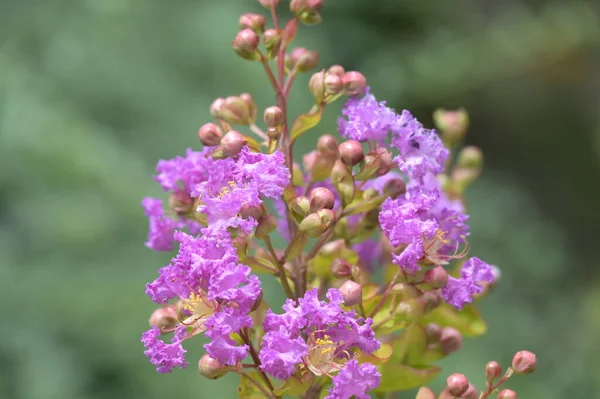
(460, 291)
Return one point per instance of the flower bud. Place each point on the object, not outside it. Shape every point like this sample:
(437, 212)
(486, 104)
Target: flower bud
(316, 86)
(472, 393)
(272, 41)
(232, 143)
(386, 162)
(340, 268)
(434, 333)
(354, 83)
(266, 225)
(247, 98)
(434, 279)
(181, 202)
(236, 111)
(327, 144)
(524, 362)
(425, 393)
(307, 10)
(257, 301)
(450, 340)
(270, 4)
(493, 370)
(327, 217)
(368, 167)
(240, 244)
(216, 107)
(457, 384)
(333, 248)
(251, 211)
(405, 290)
(343, 181)
(351, 292)
(256, 22)
(507, 394)
(303, 60)
(333, 84)
(320, 198)
(394, 188)
(246, 43)
(411, 309)
(300, 207)
(351, 152)
(316, 223)
(211, 368)
(336, 70)
(432, 300)
(210, 134)
(273, 116)
(164, 318)
(470, 157)
(452, 124)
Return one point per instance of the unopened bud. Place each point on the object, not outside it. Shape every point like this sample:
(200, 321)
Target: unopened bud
(405, 291)
(316, 86)
(354, 83)
(524, 362)
(164, 318)
(343, 181)
(457, 384)
(425, 393)
(434, 279)
(507, 394)
(327, 217)
(470, 157)
(452, 124)
(351, 152)
(257, 301)
(256, 22)
(386, 162)
(411, 309)
(333, 84)
(273, 116)
(252, 211)
(312, 225)
(211, 368)
(333, 248)
(327, 144)
(434, 333)
(432, 300)
(247, 98)
(493, 370)
(351, 292)
(216, 107)
(236, 111)
(272, 41)
(394, 187)
(246, 43)
(303, 60)
(266, 225)
(472, 393)
(336, 70)
(320, 198)
(181, 202)
(307, 10)
(241, 244)
(270, 4)
(340, 268)
(232, 143)
(210, 134)
(300, 207)
(368, 166)
(450, 340)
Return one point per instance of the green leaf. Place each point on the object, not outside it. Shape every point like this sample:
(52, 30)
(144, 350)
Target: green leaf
(380, 356)
(295, 386)
(467, 321)
(305, 122)
(247, 389)
(411, 345)
(296, 246)
(399, 377)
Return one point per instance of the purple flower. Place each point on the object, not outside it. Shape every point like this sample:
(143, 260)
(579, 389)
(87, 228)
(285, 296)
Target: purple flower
(281, 353)
(188, 171)
(219, 327)
(460, 291)
(160, 232)
(165, 356)
(366, 118)
(354, 381)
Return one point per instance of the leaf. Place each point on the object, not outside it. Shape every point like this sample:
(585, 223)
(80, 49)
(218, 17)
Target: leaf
(399, 377)
(295, 247)
(411, 345)
(380, 356)
(467, 321)
(305, 122)
(247, 389)
(295, 386)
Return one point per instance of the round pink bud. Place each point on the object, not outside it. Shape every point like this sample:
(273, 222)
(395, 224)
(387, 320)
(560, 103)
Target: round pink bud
(351, 152)
(274, 133)
(386, 162)
(432, 300)
(340, 268)
(269, 3)
(316, 86)
(470, 157)
(245, 43)
(457, 384)
(271, 40)
(327, 144)
(450, 340)
(394, 187)
(333, 84)
(273, 116)
(247, 98)
(236, 111)
(252, 211)
(232, 143)
(524, 362)
(434, 279)
(164, 318)
(452, 124)
(351, 292)
(210, 134)
(354, 83)
(211, 368)
(299, 6)
(507, 394)
(181, 202)
(256, 22)
(303, 59)
(320, 198)
(336, 70)
(434, 333)
(216, 107)
(493, 370)
(472, 393)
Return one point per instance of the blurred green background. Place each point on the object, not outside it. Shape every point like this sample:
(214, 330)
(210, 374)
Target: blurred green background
(94, 92)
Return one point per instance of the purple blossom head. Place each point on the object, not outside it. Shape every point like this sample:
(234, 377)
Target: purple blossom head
(460, 291)
(184, 171)
(219, 328)
(366, 118)
(160, 232)
(165, 356)
(354, 381)
(281, 352)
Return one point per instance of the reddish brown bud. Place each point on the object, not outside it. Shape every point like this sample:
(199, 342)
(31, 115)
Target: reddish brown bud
(351, 292)
(303, 59)
(354, 83)
(333, 84)
(340, 268)
(235, 110)
(256, 22)
(266, 225)
(327, 144)
(432, 300)
(273, 116)
(524, 362)
(247, 98)
(457, 384)
(450, 340)
(164, 318)
(434, 279)
(507, 394)
(434, 333)
(232, 143)
(210, 134)
(351, 152)
(216, 107)
(269, 3)
(211, 368)
(493, 370)
(320, 198)
(181, 202)
(252, 211)
(336, 70)
(245, 43)
(386, 162)
(394, 187)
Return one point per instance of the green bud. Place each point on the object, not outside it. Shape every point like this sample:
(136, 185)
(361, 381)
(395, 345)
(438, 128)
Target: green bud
(300, 206)
(312, 225)
(411, 309)
(316, 86)
(236, 111)
(343, 181)
(211, 368)
(272, 42)
(470, 157)
(368, 166)
(451, 124)
(266, 225)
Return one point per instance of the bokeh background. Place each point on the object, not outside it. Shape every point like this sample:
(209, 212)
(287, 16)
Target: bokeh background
(94, 92)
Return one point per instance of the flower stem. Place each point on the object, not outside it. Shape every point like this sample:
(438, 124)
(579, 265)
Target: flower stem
(492, 388)
(256, 359)
(282, 274)
(253, 381)
(387, 292)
